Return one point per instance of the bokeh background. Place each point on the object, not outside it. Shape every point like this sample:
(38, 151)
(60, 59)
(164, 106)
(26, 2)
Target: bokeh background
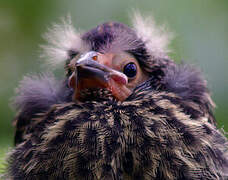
(200, 28)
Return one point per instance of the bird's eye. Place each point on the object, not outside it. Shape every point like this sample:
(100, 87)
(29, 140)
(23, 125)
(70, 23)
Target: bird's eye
(130, 70)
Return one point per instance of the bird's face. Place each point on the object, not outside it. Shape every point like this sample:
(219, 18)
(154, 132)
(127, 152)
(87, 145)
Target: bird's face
(119, 73)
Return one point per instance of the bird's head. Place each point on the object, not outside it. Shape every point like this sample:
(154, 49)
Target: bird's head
(113, 58)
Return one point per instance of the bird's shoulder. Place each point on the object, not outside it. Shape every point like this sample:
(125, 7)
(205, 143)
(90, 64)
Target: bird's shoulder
(34, 97)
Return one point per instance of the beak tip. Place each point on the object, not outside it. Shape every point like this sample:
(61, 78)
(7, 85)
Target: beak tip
(119, 77)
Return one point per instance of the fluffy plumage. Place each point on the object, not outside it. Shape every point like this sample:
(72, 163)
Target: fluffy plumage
(164, 130)
(62, 39)
(156, 39)
(37, 94)
(146, 137)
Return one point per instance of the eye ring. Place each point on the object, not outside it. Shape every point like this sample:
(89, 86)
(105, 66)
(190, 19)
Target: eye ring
(130, 70)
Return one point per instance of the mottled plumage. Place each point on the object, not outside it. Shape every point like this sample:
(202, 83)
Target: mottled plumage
(165, 129)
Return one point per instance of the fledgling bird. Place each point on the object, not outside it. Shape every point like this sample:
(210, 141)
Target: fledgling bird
(124, 110)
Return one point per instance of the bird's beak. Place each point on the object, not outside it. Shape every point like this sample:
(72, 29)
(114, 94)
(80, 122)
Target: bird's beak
(89, 74)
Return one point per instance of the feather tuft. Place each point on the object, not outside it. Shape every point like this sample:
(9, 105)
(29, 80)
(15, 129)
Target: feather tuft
(40, 92)
(155, 38)
(61, 39)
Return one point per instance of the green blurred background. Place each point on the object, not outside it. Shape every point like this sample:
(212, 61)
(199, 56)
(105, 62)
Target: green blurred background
(200, 26)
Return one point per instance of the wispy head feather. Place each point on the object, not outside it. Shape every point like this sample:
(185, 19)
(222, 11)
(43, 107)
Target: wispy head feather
(155, 38)
(62, 38)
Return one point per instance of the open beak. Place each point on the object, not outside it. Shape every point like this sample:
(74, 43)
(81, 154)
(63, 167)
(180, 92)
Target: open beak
(90, 74)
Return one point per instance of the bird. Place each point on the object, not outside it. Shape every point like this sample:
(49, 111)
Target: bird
(123, 110)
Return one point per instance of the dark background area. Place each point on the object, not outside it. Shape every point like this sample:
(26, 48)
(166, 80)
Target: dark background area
(200, 29)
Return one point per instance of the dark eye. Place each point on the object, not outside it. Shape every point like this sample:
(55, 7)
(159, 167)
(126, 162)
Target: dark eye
(130, 70)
